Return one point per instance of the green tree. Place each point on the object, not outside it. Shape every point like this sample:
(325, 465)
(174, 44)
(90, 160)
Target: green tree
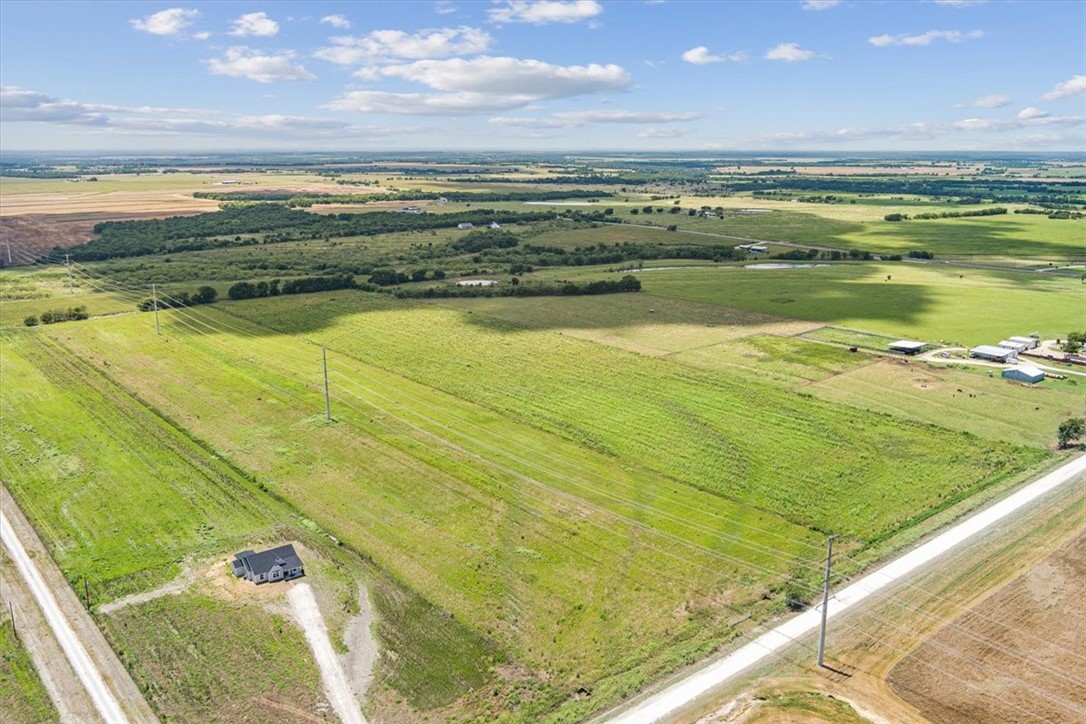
(1070, 431)
(204, 295)
(31, 321)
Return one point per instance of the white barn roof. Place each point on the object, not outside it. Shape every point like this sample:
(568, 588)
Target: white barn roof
(988, 350)
(906, 344)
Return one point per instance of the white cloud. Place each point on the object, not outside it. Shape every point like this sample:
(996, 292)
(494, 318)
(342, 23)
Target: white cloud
(541, 12)
(257, 24)
(241, 62)
(575, 119)
(1011, 124)
(202, 35)
(921, 131)
(1074, 86)
(789, 52)
(479, 85)
(1031, 113)
(18, 105)
(384, 45)
(950, 36)
(173, 21)
(337, 21)
(444, 7)
(701, 56)
(662, 132)
(511, 76)
(426, 104)
(996, 100)
(820, 4)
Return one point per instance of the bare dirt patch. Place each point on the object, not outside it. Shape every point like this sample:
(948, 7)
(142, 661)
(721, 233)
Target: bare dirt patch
(1024, 646)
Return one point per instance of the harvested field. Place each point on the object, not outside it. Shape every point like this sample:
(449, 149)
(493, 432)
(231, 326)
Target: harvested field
(113, 204)
(34, 235)
(1034, 614)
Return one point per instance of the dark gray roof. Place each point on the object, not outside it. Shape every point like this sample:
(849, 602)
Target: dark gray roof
(264, 562)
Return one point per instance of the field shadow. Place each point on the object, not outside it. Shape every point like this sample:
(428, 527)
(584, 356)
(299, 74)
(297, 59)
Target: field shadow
(995, 236)
(715, 298)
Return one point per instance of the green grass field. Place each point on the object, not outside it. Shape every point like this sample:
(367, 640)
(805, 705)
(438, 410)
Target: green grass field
(961, 399)
(919, 301)
(751, 443)
(576, 567)
(146, 495)
(124, 499)
(197, 658)
(1011, 236)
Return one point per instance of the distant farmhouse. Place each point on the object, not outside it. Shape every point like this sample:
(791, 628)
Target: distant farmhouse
(275, 564)
(753, 248)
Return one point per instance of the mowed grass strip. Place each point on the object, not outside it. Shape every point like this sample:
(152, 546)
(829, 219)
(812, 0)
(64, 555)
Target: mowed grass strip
(483, 516)
(817, 464)
(919, 301)
(118, 494)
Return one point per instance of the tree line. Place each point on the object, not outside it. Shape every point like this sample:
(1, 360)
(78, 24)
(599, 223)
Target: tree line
(53, 316)
(275, 222)
(994, 211)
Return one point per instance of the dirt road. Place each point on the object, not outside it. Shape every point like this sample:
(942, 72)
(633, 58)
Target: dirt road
(63, 686)
(111, 690)
(304, 606)
(689, 689)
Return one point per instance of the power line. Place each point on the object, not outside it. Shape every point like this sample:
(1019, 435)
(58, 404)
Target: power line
(206, 324)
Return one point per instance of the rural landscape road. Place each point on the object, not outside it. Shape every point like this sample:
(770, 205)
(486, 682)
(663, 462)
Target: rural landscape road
(689, 689)
(80, 658)
(304, 606)
(104, 700)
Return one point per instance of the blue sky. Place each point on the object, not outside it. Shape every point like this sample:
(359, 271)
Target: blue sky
(550, 76)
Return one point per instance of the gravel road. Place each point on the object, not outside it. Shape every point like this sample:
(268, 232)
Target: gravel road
(111, 690)
(308, 615)
(687, 690)
(87, 671)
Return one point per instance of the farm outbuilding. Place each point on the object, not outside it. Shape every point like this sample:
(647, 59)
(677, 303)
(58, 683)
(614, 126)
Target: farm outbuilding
(1016, 346)
(274, 564)
(1030, 342)
(477, 283)
(993, 354)
(1024, 373)
(907, 346)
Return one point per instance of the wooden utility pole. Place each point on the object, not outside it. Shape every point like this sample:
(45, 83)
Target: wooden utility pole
(327, 403)
(825, 603)
(154, 301)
